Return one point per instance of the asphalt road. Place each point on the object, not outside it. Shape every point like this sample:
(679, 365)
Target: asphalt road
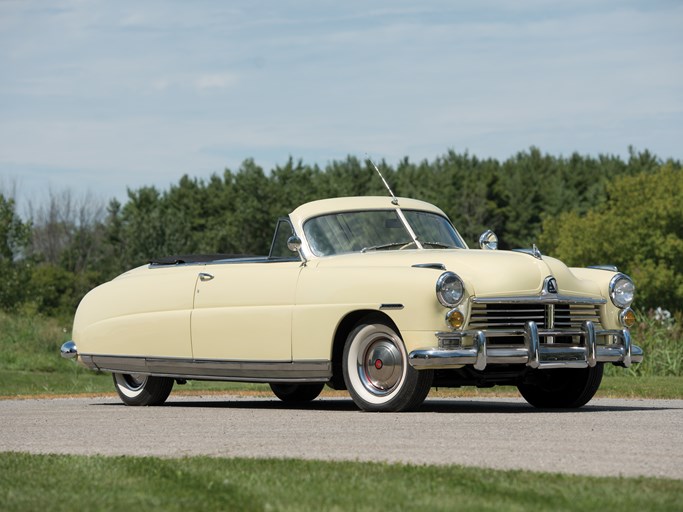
(606, 437)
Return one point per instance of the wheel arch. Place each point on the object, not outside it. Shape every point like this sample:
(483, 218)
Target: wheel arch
(346, 325)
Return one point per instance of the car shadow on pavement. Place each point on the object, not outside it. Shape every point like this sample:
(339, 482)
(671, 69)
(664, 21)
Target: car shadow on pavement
(519, 407)
(438, 405)
(336, 404)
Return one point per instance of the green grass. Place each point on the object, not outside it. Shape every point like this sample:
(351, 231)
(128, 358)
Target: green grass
(662, 342)
(629, 386)
(31, 342)
(57, 482)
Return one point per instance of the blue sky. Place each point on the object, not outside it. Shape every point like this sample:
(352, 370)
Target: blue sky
(97, 96)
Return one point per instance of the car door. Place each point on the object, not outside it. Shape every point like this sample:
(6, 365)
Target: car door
(243, 311)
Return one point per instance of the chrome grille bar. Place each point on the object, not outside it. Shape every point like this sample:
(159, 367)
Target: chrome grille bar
(493, 316)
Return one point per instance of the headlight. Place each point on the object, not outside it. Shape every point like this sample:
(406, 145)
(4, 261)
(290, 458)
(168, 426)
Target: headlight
(622, 290)
(449, 289)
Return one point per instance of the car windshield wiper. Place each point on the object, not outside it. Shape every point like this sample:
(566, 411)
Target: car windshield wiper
(387, 246)
(406, 243)
(439, 244)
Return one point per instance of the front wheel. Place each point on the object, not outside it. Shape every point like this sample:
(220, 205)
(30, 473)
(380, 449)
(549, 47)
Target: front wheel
(377, 373)
(137, 389)
(297, 393)
(564, 388)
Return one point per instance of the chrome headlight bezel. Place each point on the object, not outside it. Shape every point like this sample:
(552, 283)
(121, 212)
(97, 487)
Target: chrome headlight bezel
(450, 289)
(622, 291)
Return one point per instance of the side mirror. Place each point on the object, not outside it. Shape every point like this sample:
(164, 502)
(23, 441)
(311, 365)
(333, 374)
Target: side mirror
(488, 241)
(294, 243)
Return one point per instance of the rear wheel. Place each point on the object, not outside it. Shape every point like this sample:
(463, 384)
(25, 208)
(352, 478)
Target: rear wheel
(137, 389)
(562, 388)
(297, 393)
(377, 373)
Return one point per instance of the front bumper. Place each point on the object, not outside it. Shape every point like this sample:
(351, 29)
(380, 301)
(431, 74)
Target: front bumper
(533, 353)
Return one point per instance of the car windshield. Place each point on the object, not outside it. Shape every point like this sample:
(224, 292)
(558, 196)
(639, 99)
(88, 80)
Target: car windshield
(375, 230)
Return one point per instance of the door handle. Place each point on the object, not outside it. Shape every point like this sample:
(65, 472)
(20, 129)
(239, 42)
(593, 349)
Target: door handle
(203, 276)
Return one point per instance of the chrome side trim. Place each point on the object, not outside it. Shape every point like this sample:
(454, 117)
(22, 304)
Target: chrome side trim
(549, 298)
(213, 369)
(450, 352)
(610, 268)
(385, 307)
(435, 266)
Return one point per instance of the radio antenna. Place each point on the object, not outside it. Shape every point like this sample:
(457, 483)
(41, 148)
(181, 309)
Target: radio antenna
(394, 200)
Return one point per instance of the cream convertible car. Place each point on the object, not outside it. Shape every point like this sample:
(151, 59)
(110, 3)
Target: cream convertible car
(376, 295)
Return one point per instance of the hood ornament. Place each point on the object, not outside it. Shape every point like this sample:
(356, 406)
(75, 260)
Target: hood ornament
(534, 251)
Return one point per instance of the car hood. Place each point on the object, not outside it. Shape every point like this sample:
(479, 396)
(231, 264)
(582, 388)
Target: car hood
(485, 273)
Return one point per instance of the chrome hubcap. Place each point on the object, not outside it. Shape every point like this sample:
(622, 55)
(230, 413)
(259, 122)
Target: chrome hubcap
(133, 381)
(380, 364)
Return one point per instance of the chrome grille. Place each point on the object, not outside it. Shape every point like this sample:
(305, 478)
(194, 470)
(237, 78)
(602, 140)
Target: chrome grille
(571, 316)
(513, 317)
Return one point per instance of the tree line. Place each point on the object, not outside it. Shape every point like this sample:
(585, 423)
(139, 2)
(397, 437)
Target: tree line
(584, 209)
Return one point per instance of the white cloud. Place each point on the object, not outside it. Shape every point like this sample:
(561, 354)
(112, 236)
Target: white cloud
(216, 81)
(145, 92)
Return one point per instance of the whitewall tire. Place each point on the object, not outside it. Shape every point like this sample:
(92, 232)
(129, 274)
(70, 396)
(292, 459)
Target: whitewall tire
(377, 373)
(137, 389)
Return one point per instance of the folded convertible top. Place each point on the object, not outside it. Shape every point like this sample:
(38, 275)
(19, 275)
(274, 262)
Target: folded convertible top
(196, 258)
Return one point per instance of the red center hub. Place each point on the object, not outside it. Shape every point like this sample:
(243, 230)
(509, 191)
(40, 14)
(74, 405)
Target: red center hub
(378, 364)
